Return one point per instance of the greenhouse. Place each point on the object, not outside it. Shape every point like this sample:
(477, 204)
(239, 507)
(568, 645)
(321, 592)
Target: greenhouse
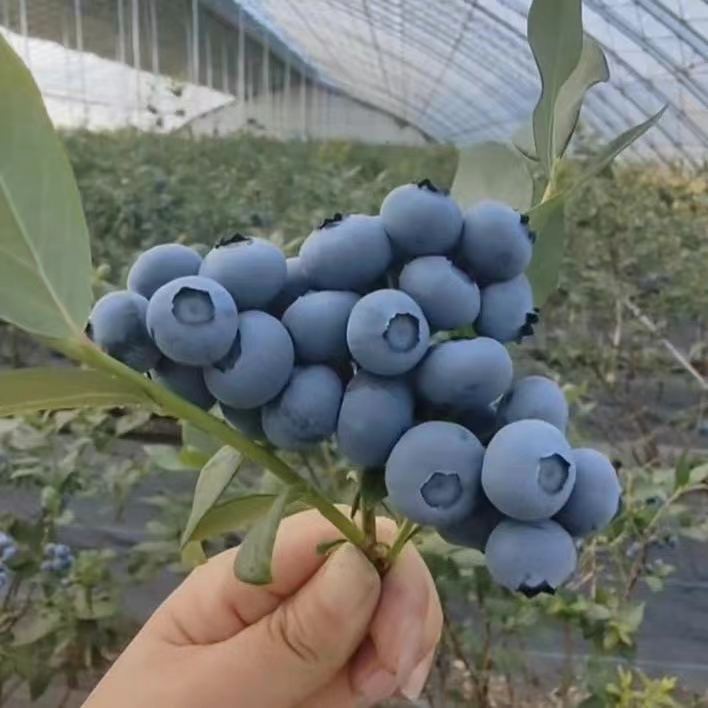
(353, 353)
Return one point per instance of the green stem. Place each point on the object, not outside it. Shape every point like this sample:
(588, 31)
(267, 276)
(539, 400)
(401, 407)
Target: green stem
(87, 353)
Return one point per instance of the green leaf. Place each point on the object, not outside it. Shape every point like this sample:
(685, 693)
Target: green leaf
(555, 32)
(326, 547)
(45, 261)
(233, 514)
(193, 437)
(168, 458)
(699, 474)
(215, 476)
(547, 220)
(596, 164)
(193, 555)
(492, 171)
(682, 473)
(253, 560)
(30, 390)
(33, 626)
(591, 69)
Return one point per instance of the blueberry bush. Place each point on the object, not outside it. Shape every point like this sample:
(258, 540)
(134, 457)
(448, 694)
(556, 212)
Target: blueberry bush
(287, 191)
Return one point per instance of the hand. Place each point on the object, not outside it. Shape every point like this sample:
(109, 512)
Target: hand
(328, 632)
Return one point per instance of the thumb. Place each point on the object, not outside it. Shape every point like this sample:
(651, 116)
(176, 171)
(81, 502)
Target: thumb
(289, 654)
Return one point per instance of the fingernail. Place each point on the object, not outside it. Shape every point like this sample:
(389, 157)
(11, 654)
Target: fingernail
(409, 656)
(377, 686)
(413, 687)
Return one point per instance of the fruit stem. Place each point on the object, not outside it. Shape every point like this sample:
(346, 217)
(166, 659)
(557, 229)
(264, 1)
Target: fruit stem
(85, 351)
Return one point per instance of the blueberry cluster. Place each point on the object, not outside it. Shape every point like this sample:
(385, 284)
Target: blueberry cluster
(58, 558)
(352, 338)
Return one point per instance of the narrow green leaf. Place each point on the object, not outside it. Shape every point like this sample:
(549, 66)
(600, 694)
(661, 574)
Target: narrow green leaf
(193, 437)
(30, 390)
(591, 70)
(596, 164)
(555, 32)
(33, 626)
(215, 476)
(233, 514)
(45, 261)
(492, 170)
(326, 547)
(253, 560)
(547, 220)
(682, 473)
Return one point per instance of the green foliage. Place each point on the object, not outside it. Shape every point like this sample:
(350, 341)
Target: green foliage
(254, 555)
(215, 476)
(32, 390)
(492, 171)
(45, 265)
(555, 33)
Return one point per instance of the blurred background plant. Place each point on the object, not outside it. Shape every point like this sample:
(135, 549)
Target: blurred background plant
(625, 334)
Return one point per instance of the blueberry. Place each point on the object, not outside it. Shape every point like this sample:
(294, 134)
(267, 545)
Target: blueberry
(4, 577)
(193, 320)
(447, 296)
(433, 473)
(496, 243)
(529, 470)
(464, 374)
(507, 313)
(595, 498)
(317, 322)
(161, 264)
(7, 553)
(531, 557)
(474, 529)
(535, 397)
(421, 219)
(247, 421)
(375, 412)
(185, 381)
(305, 413)
(387, 332)
(346, 253)
(296, 284)
(253, 270)
(257, 366)
(117, 325)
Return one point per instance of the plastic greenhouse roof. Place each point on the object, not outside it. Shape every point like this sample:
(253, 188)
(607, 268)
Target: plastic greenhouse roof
(462, 71)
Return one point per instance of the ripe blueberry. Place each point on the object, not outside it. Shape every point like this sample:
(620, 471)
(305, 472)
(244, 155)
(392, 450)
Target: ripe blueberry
(529, 470)
(507, 313)
(531, 557)
(447, 296)
(253, 270)
(117, 325)
(464, 374)
(161, 264)
(595, 498)
(256, 367)
(387, 332)
(305, 413)
(496, 243)
(433, 473)
(184, 381)
(317, 322)
(346, 253)
(193, 320)
(375, 412)
(421, 219)
(535, 397)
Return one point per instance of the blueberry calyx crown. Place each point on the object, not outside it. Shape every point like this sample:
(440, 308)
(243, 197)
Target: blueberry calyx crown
(428, 184)
(533, 590)
(526, 330)
(231, 238)
(524, 218)
(532, 236)
(331, 221)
